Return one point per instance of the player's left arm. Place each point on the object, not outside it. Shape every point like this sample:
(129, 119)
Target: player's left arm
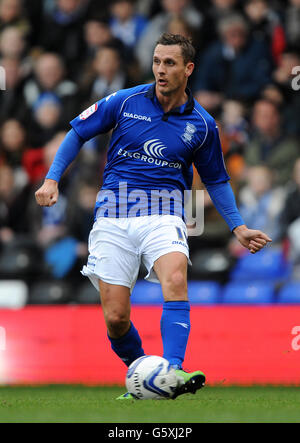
(208, 159)
(252, 239)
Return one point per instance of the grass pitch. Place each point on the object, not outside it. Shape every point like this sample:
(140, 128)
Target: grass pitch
(68, 404)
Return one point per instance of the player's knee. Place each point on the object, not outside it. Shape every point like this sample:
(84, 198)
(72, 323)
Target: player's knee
(117, 324)
(175, 286)
(177, 280)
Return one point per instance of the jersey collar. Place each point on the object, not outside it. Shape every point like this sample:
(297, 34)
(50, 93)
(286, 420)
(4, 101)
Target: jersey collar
(187, 108)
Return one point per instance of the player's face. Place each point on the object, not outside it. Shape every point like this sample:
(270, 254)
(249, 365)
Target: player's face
(170, 71)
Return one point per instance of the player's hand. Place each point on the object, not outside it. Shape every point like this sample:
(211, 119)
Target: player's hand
(47, 194)
(252, 239)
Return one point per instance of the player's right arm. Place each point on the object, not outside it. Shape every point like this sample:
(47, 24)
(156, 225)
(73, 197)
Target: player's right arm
(47, 194)
(98, 118)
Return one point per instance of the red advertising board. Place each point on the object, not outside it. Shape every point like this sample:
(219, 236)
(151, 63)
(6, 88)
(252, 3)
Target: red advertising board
(232, 345)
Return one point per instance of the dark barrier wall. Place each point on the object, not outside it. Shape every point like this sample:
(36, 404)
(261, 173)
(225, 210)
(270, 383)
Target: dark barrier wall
(232, 345)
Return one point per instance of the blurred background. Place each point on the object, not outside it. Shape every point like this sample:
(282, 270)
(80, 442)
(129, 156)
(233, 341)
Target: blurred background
(60, 56)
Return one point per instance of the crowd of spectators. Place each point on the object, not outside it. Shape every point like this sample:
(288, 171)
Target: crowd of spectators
(60, 56)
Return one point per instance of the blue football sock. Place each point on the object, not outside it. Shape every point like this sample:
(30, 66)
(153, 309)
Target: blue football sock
(175, 328)
(128, 347)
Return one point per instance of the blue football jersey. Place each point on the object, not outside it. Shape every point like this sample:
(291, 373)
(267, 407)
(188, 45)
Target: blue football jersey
(150, 150)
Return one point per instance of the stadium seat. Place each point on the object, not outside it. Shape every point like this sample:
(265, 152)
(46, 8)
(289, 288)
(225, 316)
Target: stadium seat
(87, 294)
(210, 264)
(204, 292)
(13, 294)
(146, 293)
(290, 293)
(268, 264)
(18, 260)
(61, 256)
(50, 292)
(248, 293)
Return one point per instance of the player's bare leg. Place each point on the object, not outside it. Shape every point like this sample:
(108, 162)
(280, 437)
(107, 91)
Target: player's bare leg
(124, 338)
(171, 270)
(115, 302)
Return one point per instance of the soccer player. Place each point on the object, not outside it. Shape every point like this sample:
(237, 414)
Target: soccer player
(159, 130)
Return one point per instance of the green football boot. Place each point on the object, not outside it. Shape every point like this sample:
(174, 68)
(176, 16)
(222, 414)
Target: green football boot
(126, 396)
(188, 382)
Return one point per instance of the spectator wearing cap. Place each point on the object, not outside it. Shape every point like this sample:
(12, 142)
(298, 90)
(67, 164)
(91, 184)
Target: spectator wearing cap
(46, 119)
(50, 76)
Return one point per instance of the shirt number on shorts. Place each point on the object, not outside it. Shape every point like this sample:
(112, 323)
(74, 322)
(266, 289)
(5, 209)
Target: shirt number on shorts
(181, 234)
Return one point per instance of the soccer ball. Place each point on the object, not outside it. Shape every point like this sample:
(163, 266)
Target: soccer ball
(151, 377)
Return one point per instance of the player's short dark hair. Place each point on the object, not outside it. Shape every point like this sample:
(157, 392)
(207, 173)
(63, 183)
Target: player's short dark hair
(187, 48)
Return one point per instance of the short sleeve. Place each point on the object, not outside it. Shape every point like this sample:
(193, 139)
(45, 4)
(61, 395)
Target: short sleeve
(99, 118)
(208, 157)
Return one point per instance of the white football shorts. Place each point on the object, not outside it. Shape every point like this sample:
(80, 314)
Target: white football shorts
(118, 246)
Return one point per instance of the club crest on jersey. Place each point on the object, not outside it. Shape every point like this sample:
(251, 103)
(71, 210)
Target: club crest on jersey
(189, 132)
(88, 112)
